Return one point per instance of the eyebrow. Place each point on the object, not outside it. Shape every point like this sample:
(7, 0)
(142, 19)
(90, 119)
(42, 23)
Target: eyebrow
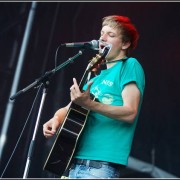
(108, 32)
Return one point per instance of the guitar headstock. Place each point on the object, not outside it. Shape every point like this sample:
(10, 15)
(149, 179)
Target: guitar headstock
(95, 62)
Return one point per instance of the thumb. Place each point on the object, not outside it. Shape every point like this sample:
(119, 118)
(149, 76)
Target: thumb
(89, 85)
(55, 125)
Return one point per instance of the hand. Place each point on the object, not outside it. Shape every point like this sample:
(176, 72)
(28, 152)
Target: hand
(78, 97)
(50, 127)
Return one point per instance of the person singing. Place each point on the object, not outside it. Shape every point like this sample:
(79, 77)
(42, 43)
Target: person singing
(105, 143)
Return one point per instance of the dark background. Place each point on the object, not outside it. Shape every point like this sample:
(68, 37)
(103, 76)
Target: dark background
(157, 137)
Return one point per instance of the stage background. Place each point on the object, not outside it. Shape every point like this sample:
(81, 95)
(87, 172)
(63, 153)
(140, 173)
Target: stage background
(156, 140)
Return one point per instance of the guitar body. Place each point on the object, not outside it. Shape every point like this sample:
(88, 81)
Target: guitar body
(65, 143)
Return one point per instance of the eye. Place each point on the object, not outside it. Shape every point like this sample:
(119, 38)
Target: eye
(111, 35)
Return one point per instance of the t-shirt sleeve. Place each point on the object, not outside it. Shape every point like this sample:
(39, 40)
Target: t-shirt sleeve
(133, 72)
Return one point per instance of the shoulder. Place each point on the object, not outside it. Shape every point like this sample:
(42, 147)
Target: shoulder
(132, 62)
(133, 71)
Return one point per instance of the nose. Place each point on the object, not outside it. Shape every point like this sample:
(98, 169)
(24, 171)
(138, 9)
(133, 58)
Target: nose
(103, 37)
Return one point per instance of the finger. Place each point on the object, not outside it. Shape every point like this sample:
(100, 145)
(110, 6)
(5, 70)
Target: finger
(72, 87)
(76, 86)
(74, 81)
(47, 130)
(73, 96)
(73, 90)
(48, 133)
(89, 85)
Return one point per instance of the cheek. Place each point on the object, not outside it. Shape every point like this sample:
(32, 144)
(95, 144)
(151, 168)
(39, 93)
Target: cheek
(112, 54)
(116, 48)
(115, 51)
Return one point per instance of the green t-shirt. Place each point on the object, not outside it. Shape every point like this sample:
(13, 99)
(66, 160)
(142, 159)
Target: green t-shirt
(104, 138)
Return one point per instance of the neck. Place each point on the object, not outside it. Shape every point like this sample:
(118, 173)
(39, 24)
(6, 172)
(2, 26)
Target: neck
(113, 62)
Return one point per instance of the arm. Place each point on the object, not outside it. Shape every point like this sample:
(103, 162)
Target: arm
(50, 127)
(127, 112)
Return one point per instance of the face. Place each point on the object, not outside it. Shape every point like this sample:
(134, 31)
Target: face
(113, 36)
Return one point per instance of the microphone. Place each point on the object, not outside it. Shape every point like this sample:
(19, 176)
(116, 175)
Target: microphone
(105, 48)
(94, 44)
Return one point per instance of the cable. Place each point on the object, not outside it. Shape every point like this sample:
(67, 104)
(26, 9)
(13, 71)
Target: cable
(22, 130)
(55, 63)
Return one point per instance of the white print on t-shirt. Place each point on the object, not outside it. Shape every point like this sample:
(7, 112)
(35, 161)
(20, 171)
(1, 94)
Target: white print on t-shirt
(96, 92)
(105, 98)
(107, 82)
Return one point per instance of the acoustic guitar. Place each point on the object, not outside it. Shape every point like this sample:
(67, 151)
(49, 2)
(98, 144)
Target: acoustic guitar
(67, 135)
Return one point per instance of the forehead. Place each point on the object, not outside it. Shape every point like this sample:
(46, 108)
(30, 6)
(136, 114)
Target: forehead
(109, 29)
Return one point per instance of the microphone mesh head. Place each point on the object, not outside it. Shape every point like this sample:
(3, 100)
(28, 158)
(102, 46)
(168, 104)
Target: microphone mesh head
(95, 44)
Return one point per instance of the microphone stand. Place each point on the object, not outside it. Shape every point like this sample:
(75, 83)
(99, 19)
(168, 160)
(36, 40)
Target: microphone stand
(45, 81)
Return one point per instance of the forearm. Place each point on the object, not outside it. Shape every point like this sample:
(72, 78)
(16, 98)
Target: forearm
(127, 112)
(61, 113)
(123, 113)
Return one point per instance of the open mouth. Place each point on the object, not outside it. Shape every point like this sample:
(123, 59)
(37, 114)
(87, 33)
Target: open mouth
(102, 45)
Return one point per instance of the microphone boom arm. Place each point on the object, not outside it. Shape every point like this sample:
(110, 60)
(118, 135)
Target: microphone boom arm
(46, 77)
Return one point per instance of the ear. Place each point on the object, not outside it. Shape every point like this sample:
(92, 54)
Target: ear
(126, 45)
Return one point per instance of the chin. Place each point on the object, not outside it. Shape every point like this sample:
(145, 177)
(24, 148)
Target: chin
(109, 58)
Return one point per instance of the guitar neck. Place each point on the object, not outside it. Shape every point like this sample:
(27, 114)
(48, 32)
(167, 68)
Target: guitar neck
(84, 79)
